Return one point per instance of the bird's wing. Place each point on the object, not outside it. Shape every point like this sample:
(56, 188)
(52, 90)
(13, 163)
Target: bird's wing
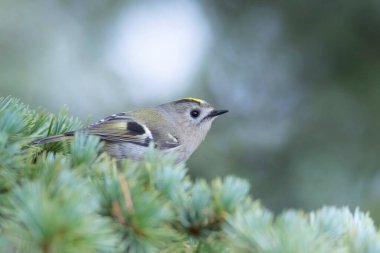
(122, 127)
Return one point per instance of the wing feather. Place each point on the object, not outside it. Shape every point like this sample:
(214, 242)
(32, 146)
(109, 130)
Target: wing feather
(122, 128)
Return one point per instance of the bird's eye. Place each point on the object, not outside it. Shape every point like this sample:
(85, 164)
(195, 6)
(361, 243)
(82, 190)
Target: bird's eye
(194, 113)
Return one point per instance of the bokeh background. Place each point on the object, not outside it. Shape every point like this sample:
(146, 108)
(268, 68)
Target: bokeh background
(301, 80)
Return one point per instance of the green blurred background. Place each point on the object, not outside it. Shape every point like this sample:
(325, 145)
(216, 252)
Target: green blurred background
(300, 78)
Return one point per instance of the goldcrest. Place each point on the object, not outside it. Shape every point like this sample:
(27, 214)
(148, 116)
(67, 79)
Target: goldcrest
(178, 126)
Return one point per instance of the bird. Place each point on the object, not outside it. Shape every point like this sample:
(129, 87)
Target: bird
(178, 127)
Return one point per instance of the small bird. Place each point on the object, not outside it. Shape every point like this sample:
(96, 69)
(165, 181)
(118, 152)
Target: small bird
(178, 126)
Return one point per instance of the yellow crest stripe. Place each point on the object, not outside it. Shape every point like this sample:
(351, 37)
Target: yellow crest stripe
(195, 100)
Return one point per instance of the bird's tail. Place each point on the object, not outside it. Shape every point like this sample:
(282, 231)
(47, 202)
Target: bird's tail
(49, 139)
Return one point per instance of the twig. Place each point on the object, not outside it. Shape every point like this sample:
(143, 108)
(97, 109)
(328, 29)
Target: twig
(126, 193)
(116, 210)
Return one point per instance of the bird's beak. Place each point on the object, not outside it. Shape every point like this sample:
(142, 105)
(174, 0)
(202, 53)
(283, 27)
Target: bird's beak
(215, 113)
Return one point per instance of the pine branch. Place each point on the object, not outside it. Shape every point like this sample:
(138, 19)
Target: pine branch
(69, 198)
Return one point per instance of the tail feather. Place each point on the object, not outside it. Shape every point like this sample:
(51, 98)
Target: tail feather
(49, 139)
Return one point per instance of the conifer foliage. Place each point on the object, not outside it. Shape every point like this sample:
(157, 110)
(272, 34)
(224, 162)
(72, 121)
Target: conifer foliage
(65, 197)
